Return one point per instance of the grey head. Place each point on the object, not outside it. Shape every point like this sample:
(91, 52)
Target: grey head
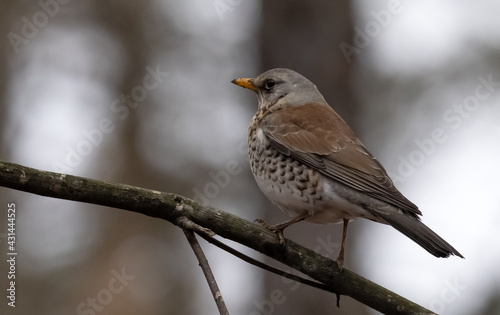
(282, 87)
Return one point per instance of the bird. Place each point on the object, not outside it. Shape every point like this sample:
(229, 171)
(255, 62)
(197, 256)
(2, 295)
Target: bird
(310, 164)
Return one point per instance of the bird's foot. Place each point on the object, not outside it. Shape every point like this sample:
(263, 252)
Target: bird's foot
(277, 229)
(340, 262)
(340, 258)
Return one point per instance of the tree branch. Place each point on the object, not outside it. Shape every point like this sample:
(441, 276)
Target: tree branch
(262, 265)
(205, 266)
(165, 206)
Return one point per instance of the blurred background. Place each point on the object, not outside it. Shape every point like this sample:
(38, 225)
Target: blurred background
(139, 92)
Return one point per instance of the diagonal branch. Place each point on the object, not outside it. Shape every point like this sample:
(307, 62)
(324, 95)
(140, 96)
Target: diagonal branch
(203, 261)
(261, 265)
(163, 205)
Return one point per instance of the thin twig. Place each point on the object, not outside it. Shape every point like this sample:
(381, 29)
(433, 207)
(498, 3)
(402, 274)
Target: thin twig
(205, 266)
(207, 235)
(264, 266)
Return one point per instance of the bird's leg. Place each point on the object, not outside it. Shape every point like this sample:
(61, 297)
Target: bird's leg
(278, 228)
(340, 258)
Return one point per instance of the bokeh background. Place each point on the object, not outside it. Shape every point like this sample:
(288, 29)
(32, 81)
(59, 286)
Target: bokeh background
(139, 92)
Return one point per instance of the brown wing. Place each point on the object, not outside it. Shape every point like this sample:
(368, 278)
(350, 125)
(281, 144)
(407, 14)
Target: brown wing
(315, 135)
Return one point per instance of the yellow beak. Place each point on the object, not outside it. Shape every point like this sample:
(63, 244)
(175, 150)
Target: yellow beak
(246, 83)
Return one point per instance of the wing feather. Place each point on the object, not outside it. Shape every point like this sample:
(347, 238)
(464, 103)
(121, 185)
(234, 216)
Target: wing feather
(315, 135)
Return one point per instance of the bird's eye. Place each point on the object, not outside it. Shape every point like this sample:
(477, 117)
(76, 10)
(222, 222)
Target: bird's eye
(269, 84)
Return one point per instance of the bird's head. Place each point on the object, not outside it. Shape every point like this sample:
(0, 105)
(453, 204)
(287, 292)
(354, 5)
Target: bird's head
(282, 87)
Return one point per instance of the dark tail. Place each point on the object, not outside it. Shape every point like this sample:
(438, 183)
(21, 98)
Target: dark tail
(420, 234)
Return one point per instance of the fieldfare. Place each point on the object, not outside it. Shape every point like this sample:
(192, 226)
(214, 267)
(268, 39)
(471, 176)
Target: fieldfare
(310, 164)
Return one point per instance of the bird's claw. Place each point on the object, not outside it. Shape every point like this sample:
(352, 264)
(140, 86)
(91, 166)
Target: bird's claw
(273, 228)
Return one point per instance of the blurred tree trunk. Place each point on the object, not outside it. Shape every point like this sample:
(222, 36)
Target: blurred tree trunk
(305, 37)
(5, 25)
(125, 20)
